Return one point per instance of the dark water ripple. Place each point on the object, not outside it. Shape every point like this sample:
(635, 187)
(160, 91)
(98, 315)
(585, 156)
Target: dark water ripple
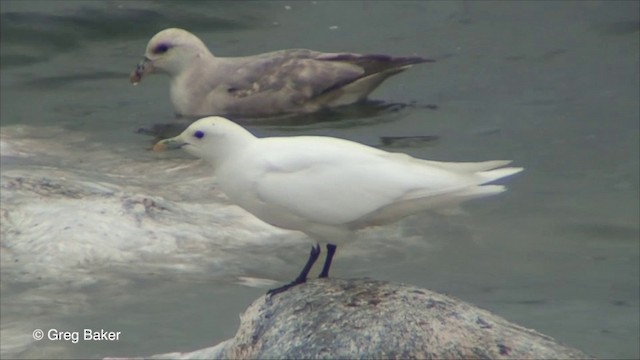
(47, 34)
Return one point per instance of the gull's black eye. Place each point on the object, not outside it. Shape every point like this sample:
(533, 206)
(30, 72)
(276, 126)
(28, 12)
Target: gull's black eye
(199, 134)
(161, 49)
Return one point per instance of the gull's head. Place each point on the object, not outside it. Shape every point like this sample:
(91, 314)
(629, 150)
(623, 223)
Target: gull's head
(171, 51)
(211, 138)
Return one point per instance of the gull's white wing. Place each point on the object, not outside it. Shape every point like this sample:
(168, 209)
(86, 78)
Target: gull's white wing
(332, 182)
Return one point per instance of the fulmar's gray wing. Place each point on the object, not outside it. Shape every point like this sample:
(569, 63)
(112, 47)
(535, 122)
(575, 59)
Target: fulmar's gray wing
(376, 68)
(306, 80)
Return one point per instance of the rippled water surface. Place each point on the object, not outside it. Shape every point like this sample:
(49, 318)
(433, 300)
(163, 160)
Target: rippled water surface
(100, 233)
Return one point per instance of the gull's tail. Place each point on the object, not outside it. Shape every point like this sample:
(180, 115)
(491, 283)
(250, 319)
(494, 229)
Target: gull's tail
(495, 174)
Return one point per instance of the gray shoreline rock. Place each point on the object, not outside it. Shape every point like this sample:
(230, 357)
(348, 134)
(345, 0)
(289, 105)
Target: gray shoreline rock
(357, 319)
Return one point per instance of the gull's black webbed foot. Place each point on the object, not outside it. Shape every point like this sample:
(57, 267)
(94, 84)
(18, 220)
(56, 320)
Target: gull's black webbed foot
(313, 256)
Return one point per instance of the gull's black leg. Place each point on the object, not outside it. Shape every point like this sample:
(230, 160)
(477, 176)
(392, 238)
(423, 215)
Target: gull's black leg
(313, 256)
(331, 249)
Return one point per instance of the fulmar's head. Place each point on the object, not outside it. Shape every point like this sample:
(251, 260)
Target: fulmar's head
(171, 51)
(211, 138)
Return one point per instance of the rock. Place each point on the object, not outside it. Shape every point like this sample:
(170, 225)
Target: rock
(334, 318)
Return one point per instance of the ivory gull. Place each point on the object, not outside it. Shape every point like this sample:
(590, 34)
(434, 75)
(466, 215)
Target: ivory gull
(328, 187)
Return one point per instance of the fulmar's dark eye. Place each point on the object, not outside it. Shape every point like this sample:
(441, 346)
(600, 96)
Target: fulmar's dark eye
(161, 48)
(199, 134)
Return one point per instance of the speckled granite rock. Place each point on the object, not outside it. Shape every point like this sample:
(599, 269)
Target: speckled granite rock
(333, 318)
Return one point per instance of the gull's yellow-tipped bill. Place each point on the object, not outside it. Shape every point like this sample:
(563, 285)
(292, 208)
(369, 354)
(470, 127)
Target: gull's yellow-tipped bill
(159, 146)
(169, 144)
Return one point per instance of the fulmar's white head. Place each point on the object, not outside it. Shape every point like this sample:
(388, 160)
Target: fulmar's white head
(171, 51)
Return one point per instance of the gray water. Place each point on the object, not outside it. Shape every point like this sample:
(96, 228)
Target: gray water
(552, 85)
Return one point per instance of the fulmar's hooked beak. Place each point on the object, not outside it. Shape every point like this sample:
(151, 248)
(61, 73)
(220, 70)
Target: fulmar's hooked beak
(169, 144)
(144, 67)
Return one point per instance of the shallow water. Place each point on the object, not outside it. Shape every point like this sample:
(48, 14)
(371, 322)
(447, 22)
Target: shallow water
(100, 233)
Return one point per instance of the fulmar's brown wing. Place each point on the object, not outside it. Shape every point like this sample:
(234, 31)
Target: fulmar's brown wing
(297, 78)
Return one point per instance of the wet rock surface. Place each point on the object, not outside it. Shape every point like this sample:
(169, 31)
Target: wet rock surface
(363, 318)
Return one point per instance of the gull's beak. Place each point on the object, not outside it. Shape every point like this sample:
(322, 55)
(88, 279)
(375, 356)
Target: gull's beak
(169, 144)
(144, 67)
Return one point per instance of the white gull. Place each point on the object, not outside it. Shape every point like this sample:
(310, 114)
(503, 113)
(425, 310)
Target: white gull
(328, 187)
